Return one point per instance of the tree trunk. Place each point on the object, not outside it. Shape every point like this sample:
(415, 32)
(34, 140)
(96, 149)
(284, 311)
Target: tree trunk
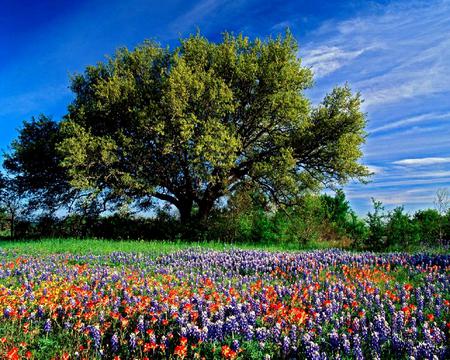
(12, 226)
(204, 210)
(185, 210)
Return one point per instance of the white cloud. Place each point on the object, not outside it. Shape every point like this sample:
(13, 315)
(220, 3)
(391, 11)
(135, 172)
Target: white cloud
(375, 169)
(395, 197)
(433, 174)
(403, 199)
(410, 51)
(282, 25)
(325, 59)
(423, 161)
(411, 120)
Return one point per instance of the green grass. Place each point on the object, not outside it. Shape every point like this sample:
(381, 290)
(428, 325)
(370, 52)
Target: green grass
(97, 247)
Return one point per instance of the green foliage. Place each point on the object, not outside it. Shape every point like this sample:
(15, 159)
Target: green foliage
(428, 222)
(401, 230)
(376, 239)
(191, 125)
(337, 208)
(12, 204)
(35, 165)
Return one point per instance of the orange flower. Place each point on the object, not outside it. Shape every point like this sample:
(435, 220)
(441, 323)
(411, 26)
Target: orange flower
(150, 346)
(227, 353)
(430, 317)
(180, 351)
(408, 287)
(13, 354)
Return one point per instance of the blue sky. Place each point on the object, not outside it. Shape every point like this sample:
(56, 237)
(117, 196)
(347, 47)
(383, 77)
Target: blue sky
(396, 53)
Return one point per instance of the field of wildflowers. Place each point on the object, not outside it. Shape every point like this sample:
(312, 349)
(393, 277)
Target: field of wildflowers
(236, 304)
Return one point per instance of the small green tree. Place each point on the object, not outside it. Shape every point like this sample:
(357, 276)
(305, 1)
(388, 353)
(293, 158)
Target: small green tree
(34, 164)
(343, 219)
(429, 223)
(376, 239)
(357, 230)
(447, 227)
(337, 210)
(11, 203)
(401, 231)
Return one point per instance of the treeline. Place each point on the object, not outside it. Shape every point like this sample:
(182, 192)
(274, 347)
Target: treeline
(317, 220)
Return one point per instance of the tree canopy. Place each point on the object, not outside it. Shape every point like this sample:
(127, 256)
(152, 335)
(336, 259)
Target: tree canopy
(35, 165)
(192, 124)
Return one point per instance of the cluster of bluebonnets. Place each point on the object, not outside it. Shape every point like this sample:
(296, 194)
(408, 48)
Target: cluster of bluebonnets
(231, 304)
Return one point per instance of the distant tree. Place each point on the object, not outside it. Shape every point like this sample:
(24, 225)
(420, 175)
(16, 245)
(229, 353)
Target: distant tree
(401, 231)
(3, 216)
(191, 125)
(429, 223)
(442, 204)
(34, 165)
(376, 239)
(337, 206)
(337, 209)
(447, 227)
(357, 230)
(11, 202)
(342, 217)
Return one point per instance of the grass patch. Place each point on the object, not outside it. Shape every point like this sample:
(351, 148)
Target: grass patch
(99, 247)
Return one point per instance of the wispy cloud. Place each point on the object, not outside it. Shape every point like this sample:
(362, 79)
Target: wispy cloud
(396, 197)
(375, 169)
(198, 12)
(411, 120)
(423, 161)
(325, 59)
(409, 57)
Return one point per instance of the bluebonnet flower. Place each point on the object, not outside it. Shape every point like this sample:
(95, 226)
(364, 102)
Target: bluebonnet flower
(94, 332)
(334, 340)
(114, 343)
(47, 326)
(235, 345)
(132, 341)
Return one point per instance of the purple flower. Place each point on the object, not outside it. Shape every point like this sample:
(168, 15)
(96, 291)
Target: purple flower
(47, 326)
(114, 343)
(132, 341)
(94, 332)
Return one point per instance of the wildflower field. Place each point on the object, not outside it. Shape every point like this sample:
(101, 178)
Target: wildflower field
(230, 304)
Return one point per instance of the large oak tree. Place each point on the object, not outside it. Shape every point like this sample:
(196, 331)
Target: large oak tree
(192, 124)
